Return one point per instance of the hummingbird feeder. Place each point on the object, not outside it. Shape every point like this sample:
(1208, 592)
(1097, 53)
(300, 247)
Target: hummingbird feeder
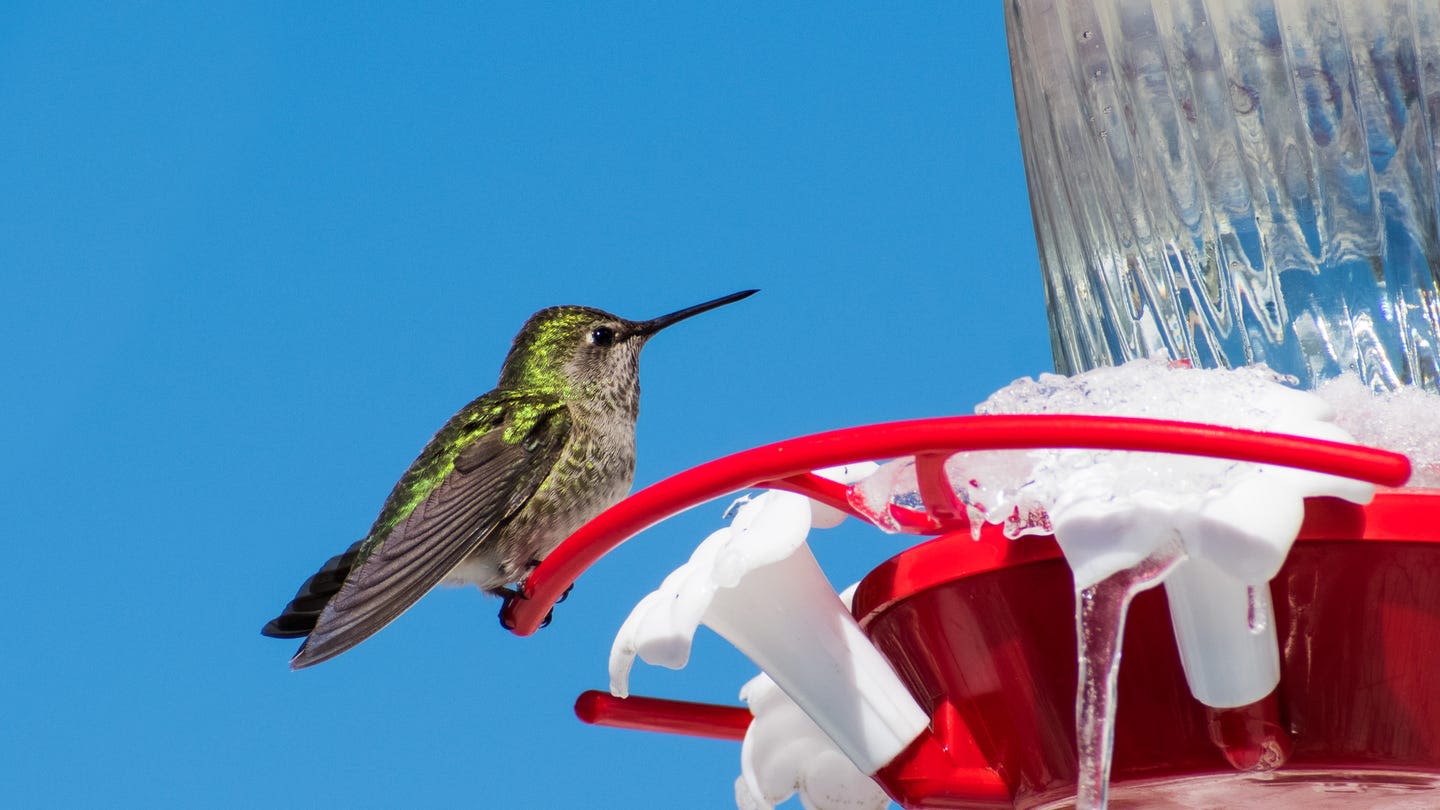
(969, 627)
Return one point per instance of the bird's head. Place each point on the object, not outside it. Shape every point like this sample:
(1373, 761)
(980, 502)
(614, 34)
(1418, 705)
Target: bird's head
(587, 354)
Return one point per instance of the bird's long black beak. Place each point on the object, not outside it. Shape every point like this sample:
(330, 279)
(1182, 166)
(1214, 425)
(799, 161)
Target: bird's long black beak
(650, 327)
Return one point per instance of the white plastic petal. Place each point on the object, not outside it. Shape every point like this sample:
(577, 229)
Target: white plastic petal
(785, 753)
(757, 584)
(1226, 637)
(661, 627)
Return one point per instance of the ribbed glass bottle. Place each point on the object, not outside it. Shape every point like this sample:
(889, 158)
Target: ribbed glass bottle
(1236, 181)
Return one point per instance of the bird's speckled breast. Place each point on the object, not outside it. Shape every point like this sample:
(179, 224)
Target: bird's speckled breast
(595, 471)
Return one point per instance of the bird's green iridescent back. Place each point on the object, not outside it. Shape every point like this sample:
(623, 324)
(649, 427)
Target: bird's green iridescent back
(516, 412)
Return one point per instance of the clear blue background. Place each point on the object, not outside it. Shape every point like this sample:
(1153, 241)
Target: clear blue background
(251, 257)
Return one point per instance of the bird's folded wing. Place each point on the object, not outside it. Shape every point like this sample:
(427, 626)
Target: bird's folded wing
(493, 479)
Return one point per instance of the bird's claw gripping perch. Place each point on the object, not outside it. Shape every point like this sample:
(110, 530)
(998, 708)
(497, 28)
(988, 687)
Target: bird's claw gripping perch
(510, 594)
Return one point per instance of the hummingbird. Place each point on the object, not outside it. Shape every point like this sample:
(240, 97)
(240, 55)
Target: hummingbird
(501, 483)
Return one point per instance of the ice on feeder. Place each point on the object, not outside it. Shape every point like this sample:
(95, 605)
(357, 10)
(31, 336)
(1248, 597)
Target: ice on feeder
(1215, 530)
(757, 584)
(1100, 610)
(893, 482)
(1237, 513)
(1234, 521)
(1254, 398)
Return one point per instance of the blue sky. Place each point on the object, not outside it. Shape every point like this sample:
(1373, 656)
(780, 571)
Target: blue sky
(253, 256)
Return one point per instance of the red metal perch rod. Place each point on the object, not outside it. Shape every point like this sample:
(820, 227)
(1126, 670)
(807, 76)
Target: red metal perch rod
(787, 465)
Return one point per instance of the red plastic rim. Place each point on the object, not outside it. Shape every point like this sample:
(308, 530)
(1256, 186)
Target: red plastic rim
(788, 465)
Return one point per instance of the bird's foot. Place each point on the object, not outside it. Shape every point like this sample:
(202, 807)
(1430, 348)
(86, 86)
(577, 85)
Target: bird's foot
(505, 622)
(508, 596)
(512, 593)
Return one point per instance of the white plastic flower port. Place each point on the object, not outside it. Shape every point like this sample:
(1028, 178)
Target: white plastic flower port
(757, 584)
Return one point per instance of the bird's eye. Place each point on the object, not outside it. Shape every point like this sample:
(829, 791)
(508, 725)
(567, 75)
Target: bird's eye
(602, 336)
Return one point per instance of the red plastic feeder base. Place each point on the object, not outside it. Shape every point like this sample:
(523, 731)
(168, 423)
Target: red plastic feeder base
(985, 630)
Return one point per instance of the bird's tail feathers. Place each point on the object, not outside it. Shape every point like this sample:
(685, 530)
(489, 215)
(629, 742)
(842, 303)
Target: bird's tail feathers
(299, 617)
